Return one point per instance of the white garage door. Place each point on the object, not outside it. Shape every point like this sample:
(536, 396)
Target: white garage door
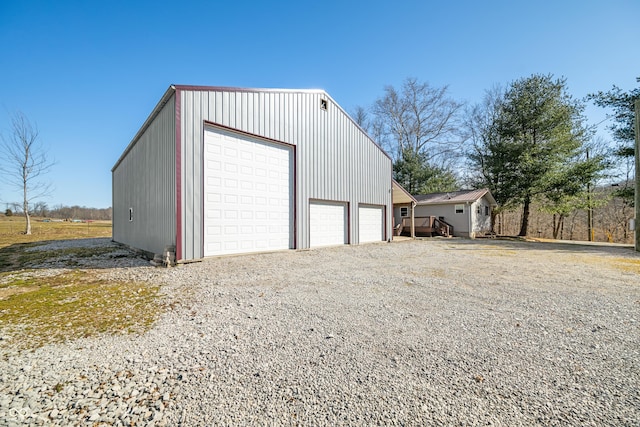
(248, 194)
(370, 224)
(328, 224)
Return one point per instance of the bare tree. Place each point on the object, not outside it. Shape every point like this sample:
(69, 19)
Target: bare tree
(482, 169)
(360, 116)
(422, 119)
(16, 207)
(371, 125)
(24, 162)
(40, 208)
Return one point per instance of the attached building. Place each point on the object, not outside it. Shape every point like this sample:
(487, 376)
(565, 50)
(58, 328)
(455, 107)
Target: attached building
(465, 213)
(217, 171)
(403, 202)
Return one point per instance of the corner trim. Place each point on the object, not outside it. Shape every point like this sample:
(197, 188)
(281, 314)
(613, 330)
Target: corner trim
(178, 122)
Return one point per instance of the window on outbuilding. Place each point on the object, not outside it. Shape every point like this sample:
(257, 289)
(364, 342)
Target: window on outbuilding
(486, 210)
(404, 211)
(479, 209)
(459, 209)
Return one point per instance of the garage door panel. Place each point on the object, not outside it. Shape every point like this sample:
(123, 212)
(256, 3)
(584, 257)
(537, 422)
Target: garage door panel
(213, 247)
(327, 224)
(247, 208)
(213, 181)
(370, 224)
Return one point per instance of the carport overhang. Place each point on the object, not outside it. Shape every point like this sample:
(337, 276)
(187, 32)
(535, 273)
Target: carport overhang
(401, 197)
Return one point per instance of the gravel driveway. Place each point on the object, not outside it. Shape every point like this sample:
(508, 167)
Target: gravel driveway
(427, 332)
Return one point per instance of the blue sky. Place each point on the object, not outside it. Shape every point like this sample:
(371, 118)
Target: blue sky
(89, 73)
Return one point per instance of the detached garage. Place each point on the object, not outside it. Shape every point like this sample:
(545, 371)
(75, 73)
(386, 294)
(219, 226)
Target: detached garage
(216, 171)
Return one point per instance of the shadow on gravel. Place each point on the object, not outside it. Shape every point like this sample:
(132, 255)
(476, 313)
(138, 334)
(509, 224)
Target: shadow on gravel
(564, 246)
(94, 253)
(102, 253)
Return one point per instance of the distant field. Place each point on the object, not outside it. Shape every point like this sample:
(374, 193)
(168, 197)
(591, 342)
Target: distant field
(12, 230)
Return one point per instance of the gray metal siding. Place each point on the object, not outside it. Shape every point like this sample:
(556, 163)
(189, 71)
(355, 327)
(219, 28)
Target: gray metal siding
(145, 179)
(460, 222)
(335, 159)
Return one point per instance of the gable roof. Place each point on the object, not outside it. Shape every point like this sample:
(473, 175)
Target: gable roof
(399, 195)
(175, 88)
(462, 196)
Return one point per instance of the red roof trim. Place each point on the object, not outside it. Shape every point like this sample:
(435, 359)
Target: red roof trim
(154, 113)
(274, 90)
(244, 89)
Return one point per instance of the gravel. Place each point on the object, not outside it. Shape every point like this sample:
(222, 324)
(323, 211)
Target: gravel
(57, 245)
(426, 332)
(99, 252)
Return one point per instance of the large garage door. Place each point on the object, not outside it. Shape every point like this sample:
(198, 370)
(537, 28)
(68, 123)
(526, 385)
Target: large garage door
(328, 224)
(248, 194)
(370, 224)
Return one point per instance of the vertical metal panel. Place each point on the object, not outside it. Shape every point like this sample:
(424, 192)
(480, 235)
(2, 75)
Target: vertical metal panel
(144, 180)
(335, 159)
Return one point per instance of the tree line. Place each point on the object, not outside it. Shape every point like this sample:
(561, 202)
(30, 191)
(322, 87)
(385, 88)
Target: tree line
(42, 210)
(608, 220)
(528, 142)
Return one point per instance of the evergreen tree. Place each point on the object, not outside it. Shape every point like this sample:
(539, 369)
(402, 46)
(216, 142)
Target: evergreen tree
(528, 143)
(492, 164)
(413, 171)
(623, 127)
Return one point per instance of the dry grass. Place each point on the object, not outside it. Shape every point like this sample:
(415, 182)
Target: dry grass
(626, 264)
(12, 230)
(616, 263)
(42, 306)
(17, 257)
(36, 310)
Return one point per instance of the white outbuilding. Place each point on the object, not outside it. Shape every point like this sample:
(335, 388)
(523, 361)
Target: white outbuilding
(218, 170)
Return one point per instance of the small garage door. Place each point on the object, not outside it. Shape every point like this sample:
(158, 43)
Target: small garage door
(248, 194)
(327, 224)
(370, 224)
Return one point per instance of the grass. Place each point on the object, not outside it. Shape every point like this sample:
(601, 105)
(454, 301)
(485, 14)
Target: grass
(12, 230)
(19, 256)
(628, 265)
(618, 263)
(43, 310)
(39, 305)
